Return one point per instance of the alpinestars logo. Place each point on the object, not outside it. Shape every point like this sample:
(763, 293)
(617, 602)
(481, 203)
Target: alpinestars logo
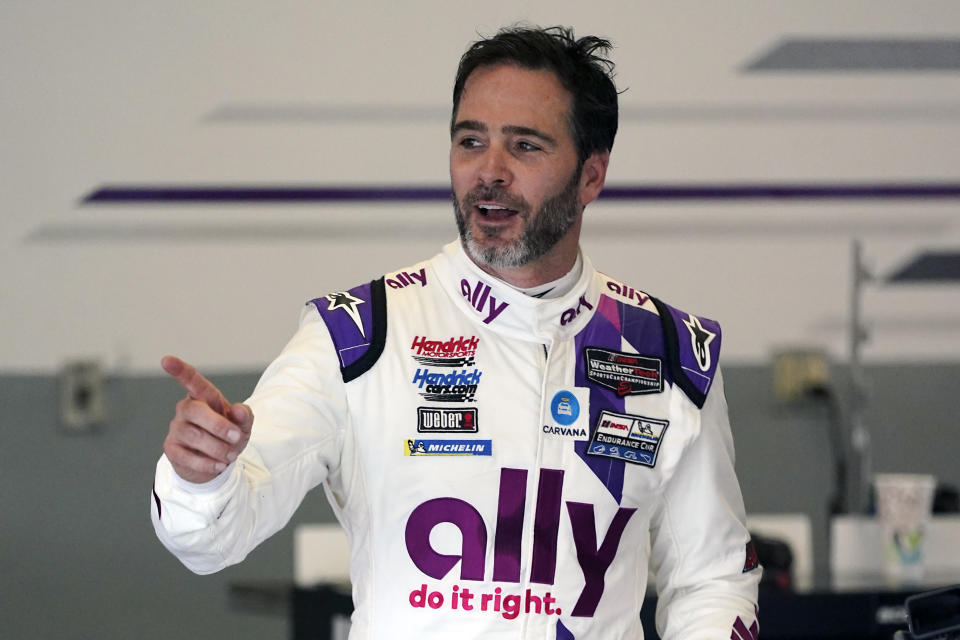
(700, 340)
(455, 352)
(457, 386)
(348, 303)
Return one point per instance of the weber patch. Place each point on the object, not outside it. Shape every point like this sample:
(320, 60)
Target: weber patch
(627, 437)
(438, 420)
(628, 374)
(447, 447)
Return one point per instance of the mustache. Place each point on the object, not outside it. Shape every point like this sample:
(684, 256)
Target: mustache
(497, 194)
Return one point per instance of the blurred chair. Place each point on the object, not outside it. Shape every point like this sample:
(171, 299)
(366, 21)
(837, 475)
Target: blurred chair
(321, 555)
(794, 529)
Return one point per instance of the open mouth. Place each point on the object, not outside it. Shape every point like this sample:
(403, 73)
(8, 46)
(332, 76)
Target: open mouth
(493, 212)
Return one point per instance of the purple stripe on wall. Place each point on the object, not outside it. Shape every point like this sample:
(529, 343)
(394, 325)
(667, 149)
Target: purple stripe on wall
(241, 193)
(173, 194)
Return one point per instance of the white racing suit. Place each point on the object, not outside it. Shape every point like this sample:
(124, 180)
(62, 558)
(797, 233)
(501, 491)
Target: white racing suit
(504, 466)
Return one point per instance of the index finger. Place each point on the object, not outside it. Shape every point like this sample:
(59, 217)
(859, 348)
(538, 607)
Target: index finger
(198, 387)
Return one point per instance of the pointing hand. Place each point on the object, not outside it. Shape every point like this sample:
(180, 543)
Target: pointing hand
(207, 432)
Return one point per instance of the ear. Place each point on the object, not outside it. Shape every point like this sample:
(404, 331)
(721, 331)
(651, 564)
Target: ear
(593, 175)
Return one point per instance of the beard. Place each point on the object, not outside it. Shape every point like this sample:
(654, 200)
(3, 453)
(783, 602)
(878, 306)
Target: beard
(540, 232)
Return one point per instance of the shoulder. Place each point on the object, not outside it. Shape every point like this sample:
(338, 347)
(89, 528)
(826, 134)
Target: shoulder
(357, 322)
(693, 349)
(356, 318)
(691, 342)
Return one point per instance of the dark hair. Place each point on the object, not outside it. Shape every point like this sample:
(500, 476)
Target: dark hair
(585, 74)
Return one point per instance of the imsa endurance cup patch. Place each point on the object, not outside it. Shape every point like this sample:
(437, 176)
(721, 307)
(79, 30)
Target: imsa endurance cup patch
(627, 437)
(628, 374)
(447, 447)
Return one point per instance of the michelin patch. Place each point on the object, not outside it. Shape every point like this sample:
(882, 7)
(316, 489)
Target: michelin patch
(628, 437)
(568, 415)
(628, 374)
(447, 447)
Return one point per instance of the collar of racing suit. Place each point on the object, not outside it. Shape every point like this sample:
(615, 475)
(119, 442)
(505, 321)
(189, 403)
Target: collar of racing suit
(558, 287)
(497, 305)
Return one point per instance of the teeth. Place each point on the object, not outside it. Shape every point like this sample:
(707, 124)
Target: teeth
(491, 206)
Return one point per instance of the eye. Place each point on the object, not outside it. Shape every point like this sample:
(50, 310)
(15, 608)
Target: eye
(524, 145)
(469, 143)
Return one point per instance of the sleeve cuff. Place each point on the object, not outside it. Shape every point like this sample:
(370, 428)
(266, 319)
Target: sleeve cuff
(209, 487)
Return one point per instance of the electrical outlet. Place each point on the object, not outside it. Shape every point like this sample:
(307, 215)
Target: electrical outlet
(798, 372)
(82, 404)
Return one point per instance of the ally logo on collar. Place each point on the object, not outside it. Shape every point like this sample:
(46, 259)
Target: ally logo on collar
(480, 297)
(571, 314)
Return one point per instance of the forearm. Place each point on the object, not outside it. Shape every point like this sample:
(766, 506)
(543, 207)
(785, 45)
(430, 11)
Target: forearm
(706, 583)
(299, 413)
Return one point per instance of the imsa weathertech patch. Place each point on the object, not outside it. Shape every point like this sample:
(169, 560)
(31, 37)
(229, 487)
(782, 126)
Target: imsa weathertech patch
(437, 420)
(627, 437)
(628, 374)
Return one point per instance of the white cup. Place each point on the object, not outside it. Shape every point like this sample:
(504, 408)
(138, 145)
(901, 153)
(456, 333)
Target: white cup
(904, 504)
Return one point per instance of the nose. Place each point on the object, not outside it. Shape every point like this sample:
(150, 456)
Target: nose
(495, 167)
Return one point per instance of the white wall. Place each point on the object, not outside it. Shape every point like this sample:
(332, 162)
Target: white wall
(101, 93)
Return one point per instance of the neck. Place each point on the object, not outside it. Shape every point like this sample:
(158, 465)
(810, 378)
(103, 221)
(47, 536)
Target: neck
(553, 265)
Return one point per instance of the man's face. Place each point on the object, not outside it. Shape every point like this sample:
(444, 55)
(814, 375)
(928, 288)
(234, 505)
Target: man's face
(513, 165)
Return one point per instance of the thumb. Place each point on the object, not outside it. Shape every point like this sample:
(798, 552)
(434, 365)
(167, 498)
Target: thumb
(242, 416)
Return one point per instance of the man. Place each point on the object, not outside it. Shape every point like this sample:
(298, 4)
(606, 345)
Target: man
(508, 437)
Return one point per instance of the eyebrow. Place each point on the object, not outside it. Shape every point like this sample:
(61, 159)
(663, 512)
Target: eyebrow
(510, 129)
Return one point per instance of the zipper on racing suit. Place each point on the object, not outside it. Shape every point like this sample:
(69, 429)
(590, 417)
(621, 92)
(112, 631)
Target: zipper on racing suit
(534, 476)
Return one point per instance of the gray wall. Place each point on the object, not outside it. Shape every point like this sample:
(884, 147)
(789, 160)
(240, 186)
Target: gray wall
(78, 558)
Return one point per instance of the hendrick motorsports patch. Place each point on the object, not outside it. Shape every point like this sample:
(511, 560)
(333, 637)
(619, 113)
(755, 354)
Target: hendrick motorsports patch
(447, 447)
(438, 420)
(628, 374)
(455, 386)
(627, 437)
